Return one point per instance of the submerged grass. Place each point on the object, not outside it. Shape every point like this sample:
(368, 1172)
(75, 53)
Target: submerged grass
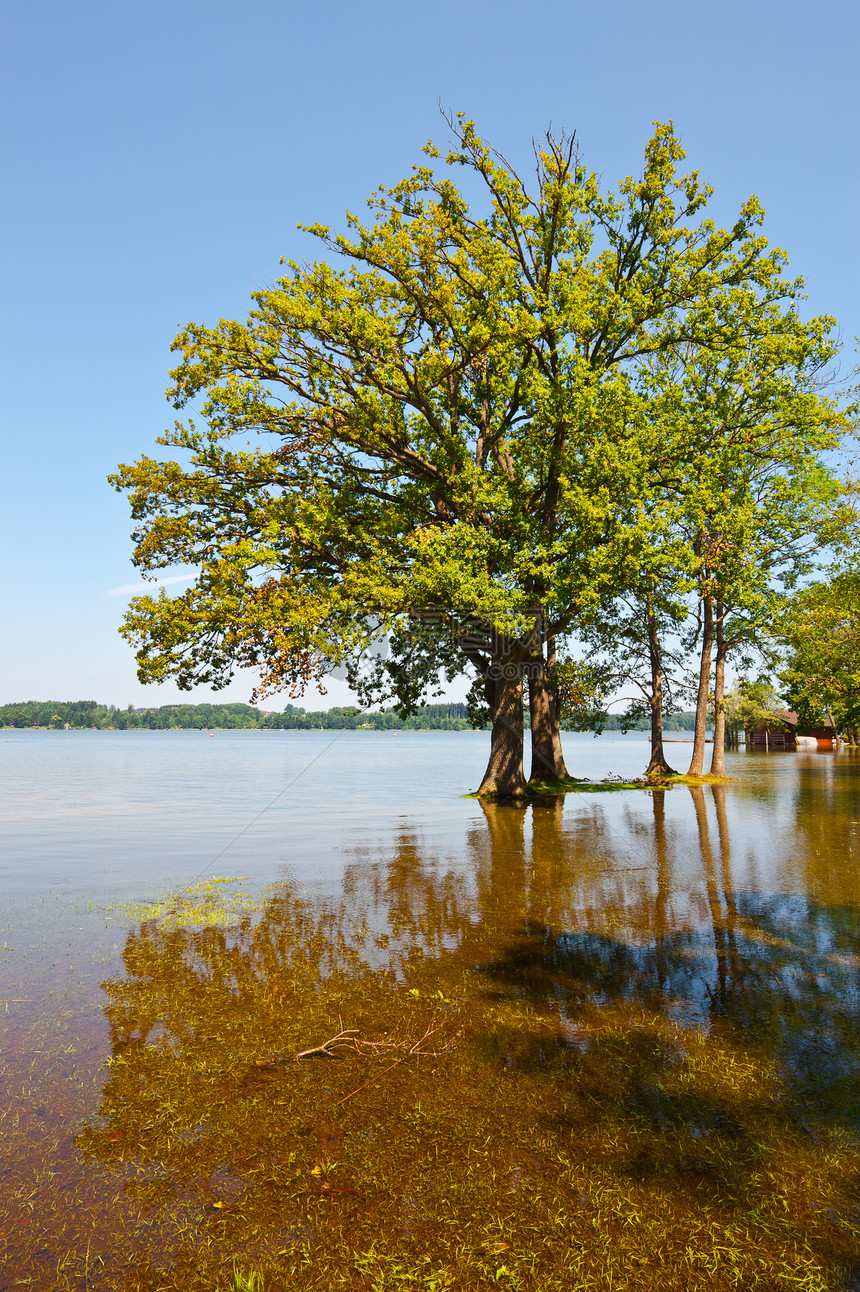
(556, 1136)
(704, 779)
(574, 784)
(208, 904)
(246, 1282)
(551, 788)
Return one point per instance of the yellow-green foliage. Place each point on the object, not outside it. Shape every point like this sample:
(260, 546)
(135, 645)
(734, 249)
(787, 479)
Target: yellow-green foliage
(204, 905)
(467, 407)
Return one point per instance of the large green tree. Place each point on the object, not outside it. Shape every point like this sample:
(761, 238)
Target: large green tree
(449, 428)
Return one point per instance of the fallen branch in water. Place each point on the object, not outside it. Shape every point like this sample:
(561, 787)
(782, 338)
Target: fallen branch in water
(348, 1041)
(414, 1050)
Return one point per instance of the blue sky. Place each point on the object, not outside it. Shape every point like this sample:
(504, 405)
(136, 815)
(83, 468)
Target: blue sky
(158, 155)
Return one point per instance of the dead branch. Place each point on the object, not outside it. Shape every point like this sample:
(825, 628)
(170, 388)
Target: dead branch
(415, 1050)
(349, 1041)
(344, 1039)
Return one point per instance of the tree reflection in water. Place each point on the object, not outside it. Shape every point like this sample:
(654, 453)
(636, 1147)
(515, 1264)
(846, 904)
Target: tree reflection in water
(652, 1079)
(777, 972)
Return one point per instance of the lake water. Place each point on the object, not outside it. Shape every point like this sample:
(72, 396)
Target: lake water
(730, 914)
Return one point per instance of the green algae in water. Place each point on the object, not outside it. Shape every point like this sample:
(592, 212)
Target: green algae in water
(204, 905)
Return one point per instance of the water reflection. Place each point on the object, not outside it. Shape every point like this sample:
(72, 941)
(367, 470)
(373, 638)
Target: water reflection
(565, 914)
(623, 1011)
(545, 910)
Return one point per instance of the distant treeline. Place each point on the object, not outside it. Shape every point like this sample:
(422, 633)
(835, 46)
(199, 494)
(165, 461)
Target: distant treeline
(671, 722)
(81, 714)
(85, 714)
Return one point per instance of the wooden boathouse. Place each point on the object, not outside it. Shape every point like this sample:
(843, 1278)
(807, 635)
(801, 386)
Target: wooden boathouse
(787, 734)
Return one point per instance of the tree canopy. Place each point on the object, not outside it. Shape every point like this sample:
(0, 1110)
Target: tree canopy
(467, 424)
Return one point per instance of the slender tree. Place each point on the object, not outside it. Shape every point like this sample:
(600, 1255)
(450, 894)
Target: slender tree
(747, 426)
(634, 636)
(706, 622)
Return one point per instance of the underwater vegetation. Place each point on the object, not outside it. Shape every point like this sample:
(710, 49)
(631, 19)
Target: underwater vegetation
(453, 1079)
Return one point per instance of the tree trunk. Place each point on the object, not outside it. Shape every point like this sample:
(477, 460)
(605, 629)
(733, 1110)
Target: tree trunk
(657, 767)
(555, 710)
(718, 757)
(504, 778)
(698, 760)
(547, 756)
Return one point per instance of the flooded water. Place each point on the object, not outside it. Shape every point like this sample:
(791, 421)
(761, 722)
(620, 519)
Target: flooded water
(606, 1041)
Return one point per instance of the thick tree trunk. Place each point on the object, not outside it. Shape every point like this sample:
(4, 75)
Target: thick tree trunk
(698, 760)
(547, 756)
(504, 778)
(718, 757)
(658, 766)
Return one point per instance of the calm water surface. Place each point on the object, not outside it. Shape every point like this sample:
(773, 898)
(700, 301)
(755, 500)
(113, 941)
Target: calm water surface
(734, 906)
(123, 812)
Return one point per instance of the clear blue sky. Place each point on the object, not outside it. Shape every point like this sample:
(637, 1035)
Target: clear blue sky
(159, 154)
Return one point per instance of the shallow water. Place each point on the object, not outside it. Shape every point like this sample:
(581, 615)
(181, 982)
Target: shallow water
(729, 916)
